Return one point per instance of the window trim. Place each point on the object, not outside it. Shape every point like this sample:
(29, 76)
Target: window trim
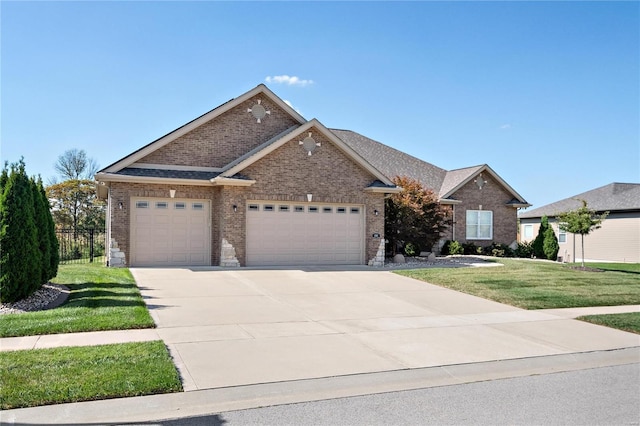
(524, 231)
(562, 234)
(478, 225)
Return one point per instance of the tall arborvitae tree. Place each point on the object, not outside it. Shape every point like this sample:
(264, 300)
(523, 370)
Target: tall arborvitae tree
(44, 246)
(538, 243)
(20, 259)
(4, 177)
(48, 242)
(550, 244)
(50, 228)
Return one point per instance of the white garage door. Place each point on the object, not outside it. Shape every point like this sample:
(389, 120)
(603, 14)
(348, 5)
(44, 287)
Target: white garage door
(170, 232)
(304, 234)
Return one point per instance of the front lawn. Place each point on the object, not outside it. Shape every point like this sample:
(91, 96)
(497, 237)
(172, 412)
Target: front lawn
(72, 374)
(632, 268)
(627, 322)
(101, 299)
(539, 285)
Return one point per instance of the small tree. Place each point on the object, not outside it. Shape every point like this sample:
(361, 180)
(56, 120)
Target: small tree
(538, 243)
(581, 221)
(550, 244)
(413, 216)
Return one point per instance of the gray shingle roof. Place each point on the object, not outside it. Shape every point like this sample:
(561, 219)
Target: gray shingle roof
(612, 197)
(392, 162)
(170, 174)
(456, 177)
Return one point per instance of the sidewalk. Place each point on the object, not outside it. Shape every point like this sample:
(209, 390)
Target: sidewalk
(157, 408)
(518, 343)
(145, 335)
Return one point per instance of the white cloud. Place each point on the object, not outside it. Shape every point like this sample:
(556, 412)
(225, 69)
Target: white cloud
(291, 105)
(288, 80)
(505, 126)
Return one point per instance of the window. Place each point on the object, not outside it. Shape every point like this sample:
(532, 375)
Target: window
(142, 204)
(298, 209)
(341, 210)
(284, 208)
(528, 232)
(197, 206)
(253, 207)
(479, 224)
(355, 210)
(267, 208)
(327, 210)
(313, 209)
(162, 205)
(562, 236)
(180, 206)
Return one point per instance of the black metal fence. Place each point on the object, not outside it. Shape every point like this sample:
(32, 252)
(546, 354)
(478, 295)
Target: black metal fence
(82, 245)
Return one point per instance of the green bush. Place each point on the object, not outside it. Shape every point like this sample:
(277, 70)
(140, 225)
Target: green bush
(456, 248)
(498, 250)
(524, 250)
(411, 249)
(471, 248)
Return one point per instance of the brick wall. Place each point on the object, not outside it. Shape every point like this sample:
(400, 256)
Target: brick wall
(224, 139)
(493, 196)
(289, 174)
(123, 192)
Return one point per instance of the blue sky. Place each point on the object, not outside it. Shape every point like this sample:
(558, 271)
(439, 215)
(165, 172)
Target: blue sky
(547, 94)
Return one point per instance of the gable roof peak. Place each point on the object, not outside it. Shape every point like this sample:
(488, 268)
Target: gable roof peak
(199, 121)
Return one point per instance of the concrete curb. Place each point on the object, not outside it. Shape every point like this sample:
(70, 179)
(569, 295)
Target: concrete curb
(210, 401)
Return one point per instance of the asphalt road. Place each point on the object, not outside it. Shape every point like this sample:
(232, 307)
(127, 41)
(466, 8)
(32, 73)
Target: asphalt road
(602, 396)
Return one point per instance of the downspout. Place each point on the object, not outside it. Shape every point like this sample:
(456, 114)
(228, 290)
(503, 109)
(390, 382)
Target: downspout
(453, 223)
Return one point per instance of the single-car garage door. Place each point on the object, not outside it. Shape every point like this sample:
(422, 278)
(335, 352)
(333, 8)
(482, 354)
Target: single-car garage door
(170, 232)
(304, 234)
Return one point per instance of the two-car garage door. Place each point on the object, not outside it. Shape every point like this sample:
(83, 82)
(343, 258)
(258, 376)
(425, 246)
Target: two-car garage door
(177, 232)
(170, 232)
(280, 233)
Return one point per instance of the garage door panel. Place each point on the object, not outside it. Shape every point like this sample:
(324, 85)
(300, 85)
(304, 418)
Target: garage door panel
(295, 234)
(168, 232)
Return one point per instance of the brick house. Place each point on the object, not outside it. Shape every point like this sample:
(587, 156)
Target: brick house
(253, 183)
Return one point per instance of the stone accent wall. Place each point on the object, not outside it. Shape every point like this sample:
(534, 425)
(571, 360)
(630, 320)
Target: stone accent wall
(233, 223)
(378, 260)
(228, 257)
(120, 217)
(116, 256)
(224, 139)
(493, 196)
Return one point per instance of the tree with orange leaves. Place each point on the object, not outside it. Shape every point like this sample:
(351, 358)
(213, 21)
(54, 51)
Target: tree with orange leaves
(413, 217)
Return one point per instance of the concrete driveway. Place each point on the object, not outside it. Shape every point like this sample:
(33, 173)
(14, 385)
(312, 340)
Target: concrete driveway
(244, 326)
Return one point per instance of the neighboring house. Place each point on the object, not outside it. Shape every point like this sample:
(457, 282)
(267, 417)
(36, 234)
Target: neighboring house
(618, 240)
(253, 183)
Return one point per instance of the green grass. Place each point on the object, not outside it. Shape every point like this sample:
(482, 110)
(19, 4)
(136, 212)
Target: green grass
(539, 285)
(55, 376)
(633, 268)
(101, 299)
(627, 322)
